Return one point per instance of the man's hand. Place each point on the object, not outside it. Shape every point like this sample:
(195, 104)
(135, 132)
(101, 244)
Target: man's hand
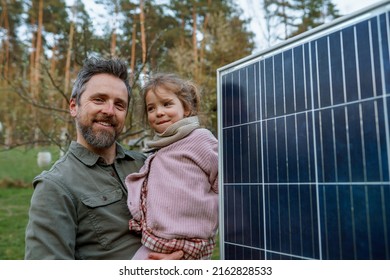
(159, 256)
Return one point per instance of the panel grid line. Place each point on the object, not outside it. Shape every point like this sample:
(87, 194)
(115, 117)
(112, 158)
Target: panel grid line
(315, 158)
(369, 99)
(386, 120)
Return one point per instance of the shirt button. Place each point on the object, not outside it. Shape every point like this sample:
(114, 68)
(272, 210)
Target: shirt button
(112, 174)
(104, 198)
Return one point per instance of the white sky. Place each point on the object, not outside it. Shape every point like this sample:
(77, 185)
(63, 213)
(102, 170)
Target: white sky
(250, 11)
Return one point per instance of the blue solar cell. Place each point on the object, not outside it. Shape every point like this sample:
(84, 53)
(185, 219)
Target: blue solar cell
(251, 89)
(322, 58)
(354, 152)
(277, 90)
(244, 155)
(291, 147)
(341, 145)
(364, 50)
(268, 80)
(350, 67)
(304, 150)
(305, 146)
(298, 81)
(336, 66)
(384, 38)
(243, 100)
(255, 155)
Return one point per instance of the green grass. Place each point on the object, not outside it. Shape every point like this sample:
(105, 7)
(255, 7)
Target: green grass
(215, 255)
(18, 167)
(14, 203)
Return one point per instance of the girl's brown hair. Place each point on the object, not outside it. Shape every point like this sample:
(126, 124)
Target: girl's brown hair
(187, 92)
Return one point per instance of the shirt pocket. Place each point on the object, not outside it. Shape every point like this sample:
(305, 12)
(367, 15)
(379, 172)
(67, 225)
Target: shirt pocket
(102, 199)
(105, 220)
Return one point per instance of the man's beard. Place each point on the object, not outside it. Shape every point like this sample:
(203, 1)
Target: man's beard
(99, 139)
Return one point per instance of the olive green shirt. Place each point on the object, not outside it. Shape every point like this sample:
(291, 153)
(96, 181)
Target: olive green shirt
(78, 208)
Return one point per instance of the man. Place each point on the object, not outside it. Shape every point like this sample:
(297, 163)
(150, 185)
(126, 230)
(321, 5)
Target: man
(78, 208)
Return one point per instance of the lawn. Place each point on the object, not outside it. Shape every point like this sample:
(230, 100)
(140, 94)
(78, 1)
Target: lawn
(17, 169)
(14, 204)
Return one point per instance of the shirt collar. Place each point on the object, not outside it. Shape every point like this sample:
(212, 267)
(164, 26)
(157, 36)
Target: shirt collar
(89, 158)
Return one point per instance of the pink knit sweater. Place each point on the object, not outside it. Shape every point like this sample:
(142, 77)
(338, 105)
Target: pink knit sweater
(182, 198)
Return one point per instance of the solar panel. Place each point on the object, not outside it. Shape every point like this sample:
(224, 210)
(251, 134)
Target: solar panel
(304, 140)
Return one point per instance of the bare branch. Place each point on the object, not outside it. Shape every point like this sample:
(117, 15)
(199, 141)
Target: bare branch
(23, 93)
(60, 91)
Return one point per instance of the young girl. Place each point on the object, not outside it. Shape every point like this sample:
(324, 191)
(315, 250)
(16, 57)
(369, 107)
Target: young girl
(174, 197)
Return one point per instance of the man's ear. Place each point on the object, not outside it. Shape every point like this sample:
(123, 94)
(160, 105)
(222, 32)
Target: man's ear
(73, 107)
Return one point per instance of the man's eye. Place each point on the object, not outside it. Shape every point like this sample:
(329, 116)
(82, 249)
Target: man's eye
(98, 100)
(120, 106)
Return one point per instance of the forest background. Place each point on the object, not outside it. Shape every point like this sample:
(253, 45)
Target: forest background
(44, 43)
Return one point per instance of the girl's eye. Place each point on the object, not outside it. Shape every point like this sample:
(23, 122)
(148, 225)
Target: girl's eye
(149, 109)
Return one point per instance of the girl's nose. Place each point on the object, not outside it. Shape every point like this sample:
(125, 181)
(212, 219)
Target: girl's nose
(159, 111)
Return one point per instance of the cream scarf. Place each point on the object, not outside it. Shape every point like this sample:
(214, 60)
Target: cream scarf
(173, 133)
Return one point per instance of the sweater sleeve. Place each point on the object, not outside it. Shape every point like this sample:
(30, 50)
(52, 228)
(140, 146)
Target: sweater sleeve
(134, 182)
(206, 153)
(213, 160)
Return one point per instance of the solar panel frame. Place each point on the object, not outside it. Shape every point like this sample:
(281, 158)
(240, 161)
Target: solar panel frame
(303, 167)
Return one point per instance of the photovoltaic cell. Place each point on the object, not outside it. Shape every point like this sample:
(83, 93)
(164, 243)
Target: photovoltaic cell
(304, 138)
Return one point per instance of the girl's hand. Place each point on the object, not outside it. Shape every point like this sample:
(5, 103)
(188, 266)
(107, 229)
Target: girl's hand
(159, 256)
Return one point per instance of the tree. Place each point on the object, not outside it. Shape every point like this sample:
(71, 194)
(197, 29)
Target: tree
(11, 54)
(287, 18)
(312, 13)
(192, 38)
(44, 91)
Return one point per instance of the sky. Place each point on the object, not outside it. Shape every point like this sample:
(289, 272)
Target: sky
(251, 12)
(344, 6)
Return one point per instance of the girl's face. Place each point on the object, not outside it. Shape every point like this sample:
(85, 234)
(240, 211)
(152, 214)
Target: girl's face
(164, 108)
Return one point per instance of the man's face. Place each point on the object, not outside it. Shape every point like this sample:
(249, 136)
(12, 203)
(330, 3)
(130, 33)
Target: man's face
(101, 114)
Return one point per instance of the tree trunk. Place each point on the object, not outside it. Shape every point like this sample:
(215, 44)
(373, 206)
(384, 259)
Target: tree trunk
(143, 35)
(194, 41)
(37, 67)
(203, 44)
(183, 23)
(53, 60)
(133, 48)
(113, 42)
(32, 59)
(38, 49)
(4, 53)
(114, 29)
(67, 65)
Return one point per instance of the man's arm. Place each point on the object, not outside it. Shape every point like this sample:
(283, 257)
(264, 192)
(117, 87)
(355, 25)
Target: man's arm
(51, 230)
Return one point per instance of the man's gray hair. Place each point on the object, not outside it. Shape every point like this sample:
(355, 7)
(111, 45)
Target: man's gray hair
(93, 66)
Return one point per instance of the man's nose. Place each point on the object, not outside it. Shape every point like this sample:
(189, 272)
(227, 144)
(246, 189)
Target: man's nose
(108, 108)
